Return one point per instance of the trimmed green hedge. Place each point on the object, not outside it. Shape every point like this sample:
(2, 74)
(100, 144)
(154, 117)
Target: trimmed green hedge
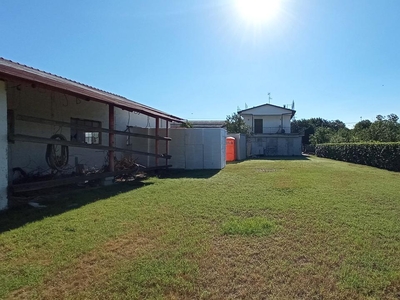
(380, 155)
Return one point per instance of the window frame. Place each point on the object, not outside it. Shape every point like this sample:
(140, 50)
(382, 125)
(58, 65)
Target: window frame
(90, 137)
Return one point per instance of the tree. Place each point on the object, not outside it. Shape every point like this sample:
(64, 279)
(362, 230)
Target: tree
(322, 135)
(235, 124)
(362, 125)
(305, 127)
(385, 129)
(361, 132)
(343, 135)
(186, 124)
(393, 118)
(336, 125)
(318, 130)
(308, 127)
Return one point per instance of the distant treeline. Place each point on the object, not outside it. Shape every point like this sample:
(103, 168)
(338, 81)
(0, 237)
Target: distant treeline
(320, 131)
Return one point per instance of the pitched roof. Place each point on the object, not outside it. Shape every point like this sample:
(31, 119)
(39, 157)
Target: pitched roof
(13, 70)
(267, 104)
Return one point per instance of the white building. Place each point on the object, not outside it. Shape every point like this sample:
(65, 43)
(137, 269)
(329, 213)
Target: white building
(270, 132)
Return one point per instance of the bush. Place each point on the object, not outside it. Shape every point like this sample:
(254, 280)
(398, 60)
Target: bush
(380, 155)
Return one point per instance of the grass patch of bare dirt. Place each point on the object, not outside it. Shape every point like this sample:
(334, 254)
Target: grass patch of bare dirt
(91, 270)
(295, 263)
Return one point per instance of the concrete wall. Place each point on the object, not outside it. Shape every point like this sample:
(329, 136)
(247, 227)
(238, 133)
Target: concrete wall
(198, 148)
(241, 145)
(3, 147)
(24, 99)
(276, 145)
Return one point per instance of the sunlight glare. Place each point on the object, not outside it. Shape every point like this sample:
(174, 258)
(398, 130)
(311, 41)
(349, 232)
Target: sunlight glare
(258, 11)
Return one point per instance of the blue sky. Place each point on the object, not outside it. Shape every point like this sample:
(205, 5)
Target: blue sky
(199, 59)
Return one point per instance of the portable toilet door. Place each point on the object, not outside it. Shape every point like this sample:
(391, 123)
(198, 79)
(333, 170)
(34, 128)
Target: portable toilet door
(230, 149)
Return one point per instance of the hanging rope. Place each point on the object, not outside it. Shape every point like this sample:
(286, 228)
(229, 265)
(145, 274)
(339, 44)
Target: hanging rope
(57, 155)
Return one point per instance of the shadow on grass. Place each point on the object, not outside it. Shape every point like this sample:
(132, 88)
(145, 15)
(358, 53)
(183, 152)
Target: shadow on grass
(195, 174)
(236, 162)
(56, 204)
(300, 157)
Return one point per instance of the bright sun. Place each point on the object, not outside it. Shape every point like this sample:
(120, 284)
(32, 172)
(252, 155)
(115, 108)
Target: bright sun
(258, 11)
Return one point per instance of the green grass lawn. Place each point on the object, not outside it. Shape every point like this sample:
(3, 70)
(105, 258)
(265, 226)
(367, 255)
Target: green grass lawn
(260, 229)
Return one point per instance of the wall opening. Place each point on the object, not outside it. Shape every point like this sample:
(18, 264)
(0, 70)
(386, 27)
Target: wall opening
(258, 126)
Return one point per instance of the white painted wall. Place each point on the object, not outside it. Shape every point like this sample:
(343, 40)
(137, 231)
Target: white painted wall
(140, 123)
(149, 145)
(3, 147)
(271, 123)
(273, 117)
(198, 148)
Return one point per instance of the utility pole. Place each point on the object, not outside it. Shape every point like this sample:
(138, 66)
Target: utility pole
(269, 98)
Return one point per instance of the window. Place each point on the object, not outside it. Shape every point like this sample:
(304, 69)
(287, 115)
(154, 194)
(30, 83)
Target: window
(92, 137)
(89, 135)
(258, 126)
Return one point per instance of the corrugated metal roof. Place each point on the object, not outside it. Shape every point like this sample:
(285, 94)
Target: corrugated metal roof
(207, 123)
(202, 124)
(13, 70)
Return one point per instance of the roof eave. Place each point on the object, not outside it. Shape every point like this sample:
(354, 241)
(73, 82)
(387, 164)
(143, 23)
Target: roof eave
(13, 71)
(247, 109)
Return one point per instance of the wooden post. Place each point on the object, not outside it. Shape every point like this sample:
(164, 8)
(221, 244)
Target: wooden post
(157, 129)
(166, 142)
(111, 137)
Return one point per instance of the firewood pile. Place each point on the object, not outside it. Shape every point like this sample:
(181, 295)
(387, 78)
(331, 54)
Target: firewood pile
(126, 163)
(134, 170)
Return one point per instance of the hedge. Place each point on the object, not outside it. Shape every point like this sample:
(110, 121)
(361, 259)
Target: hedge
(380, 155)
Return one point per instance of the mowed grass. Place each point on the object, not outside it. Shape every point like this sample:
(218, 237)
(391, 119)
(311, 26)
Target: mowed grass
(259, 229)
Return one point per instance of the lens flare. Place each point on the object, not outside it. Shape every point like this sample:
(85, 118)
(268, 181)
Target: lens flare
(258, 11)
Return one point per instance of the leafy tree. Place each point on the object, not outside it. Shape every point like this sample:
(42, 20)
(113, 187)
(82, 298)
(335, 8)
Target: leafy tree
(186, 124)
(343, 135)
(308, 127)
(385, 129)
(336, 125)
(235, 124)
(393, 118)
(305, 127)
(319, 131)
(322, 135)
(362, 125)
(360, 132)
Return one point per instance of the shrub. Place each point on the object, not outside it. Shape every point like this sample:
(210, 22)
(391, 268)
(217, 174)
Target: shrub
(380, 155)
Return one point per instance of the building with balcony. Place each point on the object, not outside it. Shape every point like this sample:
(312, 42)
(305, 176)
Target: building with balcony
(270, 132)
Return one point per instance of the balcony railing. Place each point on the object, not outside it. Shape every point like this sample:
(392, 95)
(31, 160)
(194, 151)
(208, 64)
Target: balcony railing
(275, 130)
